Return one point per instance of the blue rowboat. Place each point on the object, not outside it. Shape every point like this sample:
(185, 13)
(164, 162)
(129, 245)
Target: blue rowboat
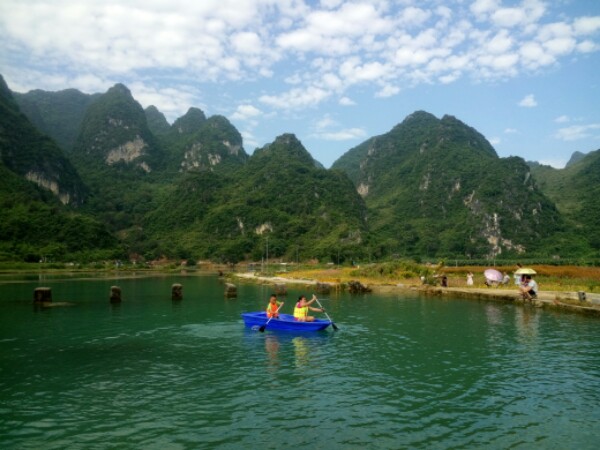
(285, 322)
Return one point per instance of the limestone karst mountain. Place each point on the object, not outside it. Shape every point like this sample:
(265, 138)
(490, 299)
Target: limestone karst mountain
(436, 187)
(114, 132)
(197, 143)
(429, 188)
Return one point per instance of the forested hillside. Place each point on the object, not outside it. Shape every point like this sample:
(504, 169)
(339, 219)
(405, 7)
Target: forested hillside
(429, 188)
(280, 195)
(34, 156)
(436, 187)
(56, 114)
(576, 192)
(39, 189)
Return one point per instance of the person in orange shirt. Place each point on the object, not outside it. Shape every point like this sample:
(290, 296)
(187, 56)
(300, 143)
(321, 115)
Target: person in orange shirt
(273, 307)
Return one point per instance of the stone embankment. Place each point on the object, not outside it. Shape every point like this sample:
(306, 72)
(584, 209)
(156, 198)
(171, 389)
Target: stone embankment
(568, 301)
(546, 299)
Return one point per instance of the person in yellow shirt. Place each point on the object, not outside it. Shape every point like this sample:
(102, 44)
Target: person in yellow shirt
(303, 306)
(273, 307)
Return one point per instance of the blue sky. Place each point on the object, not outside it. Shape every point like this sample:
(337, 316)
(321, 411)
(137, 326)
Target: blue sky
(524, 73)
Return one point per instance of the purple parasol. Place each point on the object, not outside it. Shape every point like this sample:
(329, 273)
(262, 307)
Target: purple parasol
(492, 275)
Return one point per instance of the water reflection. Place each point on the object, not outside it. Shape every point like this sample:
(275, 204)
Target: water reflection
(176, 305)
(301, 351)
(272, 347)
(493, 314)
(527, 323)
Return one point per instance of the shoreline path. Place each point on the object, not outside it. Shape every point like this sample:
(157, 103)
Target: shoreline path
(545, 299)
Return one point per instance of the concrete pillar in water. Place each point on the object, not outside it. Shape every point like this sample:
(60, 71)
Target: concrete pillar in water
(230, 290)
(42, 294)
(177, 292)
(115, 294)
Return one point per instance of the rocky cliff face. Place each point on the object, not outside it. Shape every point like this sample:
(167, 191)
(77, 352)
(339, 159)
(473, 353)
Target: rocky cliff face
(115, 131)
(197, 143)
(34, 156)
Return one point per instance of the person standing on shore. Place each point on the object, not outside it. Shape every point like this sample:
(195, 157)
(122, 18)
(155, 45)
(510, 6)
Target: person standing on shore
(470, 279)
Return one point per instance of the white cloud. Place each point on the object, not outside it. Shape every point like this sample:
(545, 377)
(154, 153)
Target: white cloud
(294, 79)
(26, 80)
(495, 140)
(331, 81)
(414, 17)
(250, 141)
(444, 11)
(330, 3)
(325, 129)
(106, 37)
(450, 78)
(346, 101)
(560, 46)
(481, 8)
(529, 11)
(587, 47)
(500, 43)
(533, 55)
(247, 43)
(246, 112)
(528, 101)
(322, 49)
(577, 132)
(342, 135)
(509, 17)
(296, 98)
(504, 63)
(371, 71)
(587, 25)
(173, 103)
(333, 32)
(326, 122)
(387, 91)
(510, 131)
(562, 119)
(557, 163)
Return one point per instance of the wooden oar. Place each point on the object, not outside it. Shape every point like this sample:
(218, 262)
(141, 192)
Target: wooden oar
(331, 321)
(262, 327)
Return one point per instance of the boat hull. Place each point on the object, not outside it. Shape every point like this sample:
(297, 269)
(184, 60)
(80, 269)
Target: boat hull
(285, 322)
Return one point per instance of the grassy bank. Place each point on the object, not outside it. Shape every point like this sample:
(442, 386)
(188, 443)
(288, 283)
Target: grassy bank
(550, 278)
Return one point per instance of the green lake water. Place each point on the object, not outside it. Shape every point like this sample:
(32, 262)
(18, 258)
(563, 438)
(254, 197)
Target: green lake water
(401, 372)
